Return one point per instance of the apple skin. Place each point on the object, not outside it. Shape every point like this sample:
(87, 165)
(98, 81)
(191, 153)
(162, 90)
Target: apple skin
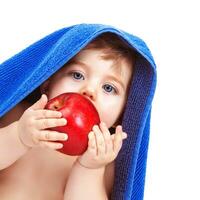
(81, 116)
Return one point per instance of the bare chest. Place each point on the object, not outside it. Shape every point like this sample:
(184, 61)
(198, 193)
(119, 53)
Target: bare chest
(40, 174)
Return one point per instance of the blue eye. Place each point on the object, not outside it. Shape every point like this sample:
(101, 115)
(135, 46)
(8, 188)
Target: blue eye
(109, 88)
(77, 76)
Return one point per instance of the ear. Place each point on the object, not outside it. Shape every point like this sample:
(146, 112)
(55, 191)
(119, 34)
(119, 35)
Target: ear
(44, 87)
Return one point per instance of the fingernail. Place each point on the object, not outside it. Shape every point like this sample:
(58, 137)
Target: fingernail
(124, 135)
(90, 135)
(59, 114)
(60, 146)
(94, 127)
(65, 136)
(64, 120)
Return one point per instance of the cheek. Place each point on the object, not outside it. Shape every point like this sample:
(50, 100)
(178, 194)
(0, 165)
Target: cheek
(110, 112)
(57, 87)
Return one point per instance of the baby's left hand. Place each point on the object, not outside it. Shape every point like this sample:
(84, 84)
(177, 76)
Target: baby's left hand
(103, 147)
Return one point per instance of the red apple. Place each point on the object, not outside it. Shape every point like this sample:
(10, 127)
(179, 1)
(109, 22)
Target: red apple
(81, 116)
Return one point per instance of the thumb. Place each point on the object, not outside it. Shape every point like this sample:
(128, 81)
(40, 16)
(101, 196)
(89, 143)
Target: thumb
(124, 135)
(41, 103)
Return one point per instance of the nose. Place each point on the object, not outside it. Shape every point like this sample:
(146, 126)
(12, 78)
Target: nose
(89, 93)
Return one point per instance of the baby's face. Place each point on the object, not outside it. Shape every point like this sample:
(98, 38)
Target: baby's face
(97, 79)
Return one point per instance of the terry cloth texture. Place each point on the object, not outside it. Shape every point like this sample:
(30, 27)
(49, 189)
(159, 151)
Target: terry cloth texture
(23, 73)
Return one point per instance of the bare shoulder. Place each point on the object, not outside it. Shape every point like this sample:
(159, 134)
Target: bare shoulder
(109, 177)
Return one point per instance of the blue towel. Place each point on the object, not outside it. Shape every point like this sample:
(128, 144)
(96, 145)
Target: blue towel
(23, 73)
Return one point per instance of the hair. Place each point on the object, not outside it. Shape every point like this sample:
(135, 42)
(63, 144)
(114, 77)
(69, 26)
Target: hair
(113, 48)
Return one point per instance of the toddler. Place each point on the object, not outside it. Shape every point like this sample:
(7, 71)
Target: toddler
(30, 166)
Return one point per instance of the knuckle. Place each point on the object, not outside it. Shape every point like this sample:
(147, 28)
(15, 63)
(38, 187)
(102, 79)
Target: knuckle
(29, 122)
(92, 145)
(44, 113)
(103, 158)
(49, 113)
(101, 146)
(27, 111)
(91, 151)
(95, 158)
(46, 123)
(50, 135)
(100, 140)
(34, 138)
(108, 140)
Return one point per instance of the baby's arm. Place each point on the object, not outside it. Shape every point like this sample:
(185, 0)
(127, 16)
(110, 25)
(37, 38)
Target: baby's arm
(11, 148)
(87, 177)
(29, 131)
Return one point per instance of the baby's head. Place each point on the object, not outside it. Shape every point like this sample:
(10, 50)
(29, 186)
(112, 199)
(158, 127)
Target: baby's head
(102, 72)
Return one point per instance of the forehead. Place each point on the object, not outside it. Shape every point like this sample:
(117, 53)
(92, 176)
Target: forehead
(119, 66)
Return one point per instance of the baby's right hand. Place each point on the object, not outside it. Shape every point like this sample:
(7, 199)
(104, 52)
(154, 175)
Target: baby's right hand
(33, 124)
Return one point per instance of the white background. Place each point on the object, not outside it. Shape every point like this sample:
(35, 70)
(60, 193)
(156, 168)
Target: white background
(170, 28)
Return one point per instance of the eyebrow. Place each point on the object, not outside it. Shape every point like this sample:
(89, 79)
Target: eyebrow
(116, 80)
(109, 76)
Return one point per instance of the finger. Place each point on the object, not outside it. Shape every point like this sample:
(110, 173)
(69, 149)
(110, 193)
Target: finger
(43, 114)
(50, 123)
(50, 145)
(124, 135)
(107, 137)
(40, 104)
(52, 136)
(117, 130)
(117, 140)
(99, 140)
(92, 143)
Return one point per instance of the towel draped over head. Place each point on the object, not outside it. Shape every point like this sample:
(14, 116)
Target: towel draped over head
(23, 73)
